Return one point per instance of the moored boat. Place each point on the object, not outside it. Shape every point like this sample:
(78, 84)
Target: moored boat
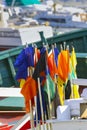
(75, 38)
(68, 38)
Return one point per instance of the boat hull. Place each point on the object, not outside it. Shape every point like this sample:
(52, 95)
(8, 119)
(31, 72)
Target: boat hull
(65, 125)
(69, 125)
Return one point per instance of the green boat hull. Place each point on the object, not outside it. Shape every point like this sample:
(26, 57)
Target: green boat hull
(77, 38)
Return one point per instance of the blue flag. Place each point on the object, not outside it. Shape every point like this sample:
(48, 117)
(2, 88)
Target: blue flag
(24, 60)
(56, 53)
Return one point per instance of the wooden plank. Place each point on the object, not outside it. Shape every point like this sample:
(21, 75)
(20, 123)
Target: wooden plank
(22, 122)
(10, 92)
(12, 104)
(81, 55)
(79, 81)
(12, 112)
(13, 72)
(68, 124)
(11, 100)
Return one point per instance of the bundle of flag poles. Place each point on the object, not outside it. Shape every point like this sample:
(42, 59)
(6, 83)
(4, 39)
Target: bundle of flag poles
(45, 80)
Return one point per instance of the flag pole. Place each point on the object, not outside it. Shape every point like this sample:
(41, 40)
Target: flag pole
(42, 113)
(31, 108)
(37, 122)
(31, 115)
(45, 44)
(61, 47)
(35, 98)
(70, 77)
(56, 78)
(64, 45)
(49, 101)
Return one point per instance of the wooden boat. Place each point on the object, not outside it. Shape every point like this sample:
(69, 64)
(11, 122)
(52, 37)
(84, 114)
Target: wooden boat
(78, 38)
(75, 38)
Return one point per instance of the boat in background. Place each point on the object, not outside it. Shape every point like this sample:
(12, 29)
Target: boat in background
(62, 16)
(17, 27)
(64, 20)
(10, 38)
(17, 22)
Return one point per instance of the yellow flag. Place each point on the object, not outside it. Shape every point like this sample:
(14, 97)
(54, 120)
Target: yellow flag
(22, 81)
(73, 74)
(73, 60)
(75, 91)
(61, 90)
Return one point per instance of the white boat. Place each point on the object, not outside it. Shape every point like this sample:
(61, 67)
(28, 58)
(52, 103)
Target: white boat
(10, 38)
(72, 108)
(60, 20)
(18, 30)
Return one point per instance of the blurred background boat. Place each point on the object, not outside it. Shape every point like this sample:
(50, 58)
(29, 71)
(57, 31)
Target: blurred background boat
(17, 27)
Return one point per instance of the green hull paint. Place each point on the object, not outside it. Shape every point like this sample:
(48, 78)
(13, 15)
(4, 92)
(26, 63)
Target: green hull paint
(12, 104)
(77, 38)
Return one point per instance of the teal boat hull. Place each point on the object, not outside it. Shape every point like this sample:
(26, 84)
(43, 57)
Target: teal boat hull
(77, 38)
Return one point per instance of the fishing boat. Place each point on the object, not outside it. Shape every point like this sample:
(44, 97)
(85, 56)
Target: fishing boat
(7, 80)
(17, 27)
(62, 16)
(60, 19)
(76, 38)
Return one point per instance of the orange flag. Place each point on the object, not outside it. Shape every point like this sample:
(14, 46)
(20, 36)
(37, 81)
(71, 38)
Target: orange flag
(63, 65)
(29, 90)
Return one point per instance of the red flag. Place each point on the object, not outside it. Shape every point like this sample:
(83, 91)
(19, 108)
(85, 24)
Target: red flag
(52, 65)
